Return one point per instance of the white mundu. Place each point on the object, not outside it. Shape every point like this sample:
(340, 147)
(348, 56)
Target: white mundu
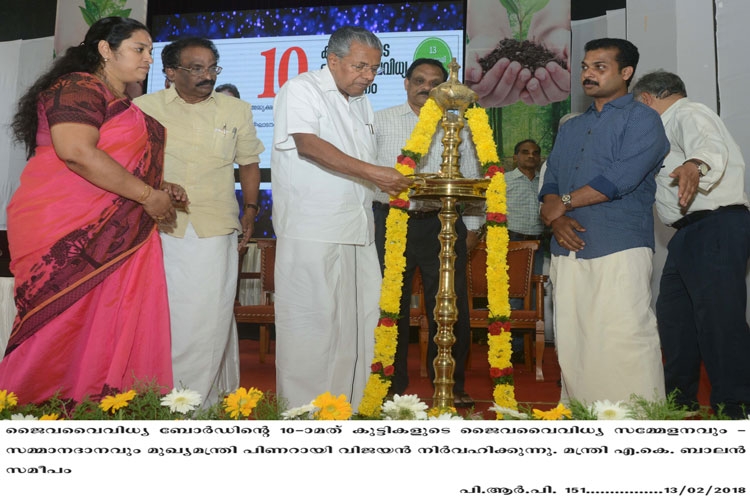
(607, 341)
(205, 350)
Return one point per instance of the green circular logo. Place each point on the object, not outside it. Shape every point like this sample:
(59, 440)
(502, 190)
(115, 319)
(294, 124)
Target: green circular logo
(434, 48)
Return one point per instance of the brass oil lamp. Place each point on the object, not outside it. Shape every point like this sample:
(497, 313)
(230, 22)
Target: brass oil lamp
(449, 187)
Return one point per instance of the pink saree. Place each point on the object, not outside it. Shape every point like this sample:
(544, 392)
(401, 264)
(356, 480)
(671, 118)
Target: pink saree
(90, 289)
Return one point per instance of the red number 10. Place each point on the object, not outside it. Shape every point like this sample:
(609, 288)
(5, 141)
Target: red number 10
(270, 55)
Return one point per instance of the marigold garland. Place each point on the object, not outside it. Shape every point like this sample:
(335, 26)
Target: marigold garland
(386, 333)
(499, 338)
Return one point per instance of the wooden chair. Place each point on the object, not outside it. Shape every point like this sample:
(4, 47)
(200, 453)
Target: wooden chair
(261, 314)
(521, 282)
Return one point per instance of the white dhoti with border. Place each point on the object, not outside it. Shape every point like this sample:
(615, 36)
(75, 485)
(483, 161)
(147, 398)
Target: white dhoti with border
(607, 340)
(327, 307)
(201, 282)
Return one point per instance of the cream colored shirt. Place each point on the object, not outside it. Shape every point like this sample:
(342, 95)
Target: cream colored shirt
(204, 141)
(695, 131)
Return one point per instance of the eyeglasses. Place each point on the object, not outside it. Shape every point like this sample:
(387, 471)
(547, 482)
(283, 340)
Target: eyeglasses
(362, 67)
(199, 70)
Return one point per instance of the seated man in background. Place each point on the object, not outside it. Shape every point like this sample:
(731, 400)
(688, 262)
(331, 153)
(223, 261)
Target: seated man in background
(228, 89)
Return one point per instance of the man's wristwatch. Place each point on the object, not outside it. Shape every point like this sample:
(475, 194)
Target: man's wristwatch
(702, 167)
(567, 201)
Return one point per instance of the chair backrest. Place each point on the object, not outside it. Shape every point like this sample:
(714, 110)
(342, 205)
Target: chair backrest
(262, 314)
(521, 267)
(520, 270)
(267, 249)
(522, 283)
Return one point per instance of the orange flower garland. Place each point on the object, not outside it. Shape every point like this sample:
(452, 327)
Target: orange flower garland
(386, 333)
(499, 338)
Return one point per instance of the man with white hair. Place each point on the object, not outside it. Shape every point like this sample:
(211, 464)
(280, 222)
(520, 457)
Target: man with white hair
(702, 295)
(327, 273)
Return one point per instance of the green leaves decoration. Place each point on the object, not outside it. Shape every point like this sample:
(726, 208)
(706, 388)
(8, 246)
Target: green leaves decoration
(98, 9)
(520, 12)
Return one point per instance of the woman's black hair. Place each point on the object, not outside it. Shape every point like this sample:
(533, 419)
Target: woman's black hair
(81, 58)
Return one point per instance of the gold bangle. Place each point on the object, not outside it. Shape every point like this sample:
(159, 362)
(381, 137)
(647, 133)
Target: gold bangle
(146, 193)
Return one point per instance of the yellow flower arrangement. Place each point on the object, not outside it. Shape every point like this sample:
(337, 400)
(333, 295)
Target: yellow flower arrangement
(7, 400)
(499, 338)
(386, 333)
(436, 412)
(114, 403)
(557, 413)
(50, 416)
(242, 402)
(332, 407)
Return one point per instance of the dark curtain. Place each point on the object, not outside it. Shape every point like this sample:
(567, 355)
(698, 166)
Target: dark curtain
(586, 9)
(27, 19)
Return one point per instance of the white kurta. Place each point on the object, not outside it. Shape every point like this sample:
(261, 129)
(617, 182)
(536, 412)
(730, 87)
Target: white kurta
(311, 202)
(327, 273)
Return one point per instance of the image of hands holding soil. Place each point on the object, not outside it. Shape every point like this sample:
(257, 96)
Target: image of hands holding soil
(518, 50)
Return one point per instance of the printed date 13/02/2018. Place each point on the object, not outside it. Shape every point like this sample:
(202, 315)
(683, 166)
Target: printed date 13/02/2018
(674, 490)
(670, 490)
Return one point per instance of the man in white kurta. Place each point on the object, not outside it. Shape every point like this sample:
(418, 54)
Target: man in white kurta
(327, 273)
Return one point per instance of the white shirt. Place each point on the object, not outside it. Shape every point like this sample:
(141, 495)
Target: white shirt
(311, 202)
(393, 127)
(695, 131)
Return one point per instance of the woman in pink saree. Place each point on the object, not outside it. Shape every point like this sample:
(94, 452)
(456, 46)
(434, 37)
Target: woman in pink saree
(90, 289)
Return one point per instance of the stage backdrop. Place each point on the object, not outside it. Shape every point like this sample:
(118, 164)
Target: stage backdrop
(533, 32)
(75, 17)
(261, 49)
(22, 61)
